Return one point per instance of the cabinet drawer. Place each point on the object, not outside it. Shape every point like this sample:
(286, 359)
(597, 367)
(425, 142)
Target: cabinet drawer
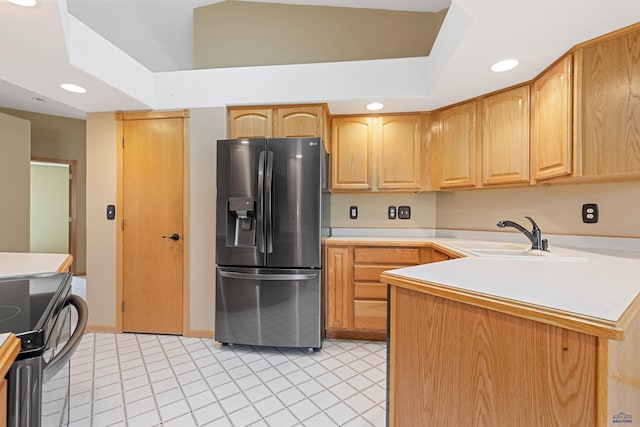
(386, 255)
(370, 273)
(370, 315)
(370, 291)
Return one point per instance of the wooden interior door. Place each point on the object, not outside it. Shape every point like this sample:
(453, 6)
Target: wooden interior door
(152, 209)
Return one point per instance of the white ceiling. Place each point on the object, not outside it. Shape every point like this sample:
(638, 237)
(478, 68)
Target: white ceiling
(137, 55)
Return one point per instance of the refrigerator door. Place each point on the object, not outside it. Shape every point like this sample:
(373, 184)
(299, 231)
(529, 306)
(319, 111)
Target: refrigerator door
(268, 307)
(293, 209)
(239, 204)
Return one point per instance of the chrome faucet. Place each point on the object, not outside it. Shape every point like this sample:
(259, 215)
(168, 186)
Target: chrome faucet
(535, 235)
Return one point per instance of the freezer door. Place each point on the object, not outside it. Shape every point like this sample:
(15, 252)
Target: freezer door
(239, 202)
(293, 195)
(268, 307)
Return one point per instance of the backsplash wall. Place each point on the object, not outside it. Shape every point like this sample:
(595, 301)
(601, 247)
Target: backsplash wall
(556, 209)
(372, 210)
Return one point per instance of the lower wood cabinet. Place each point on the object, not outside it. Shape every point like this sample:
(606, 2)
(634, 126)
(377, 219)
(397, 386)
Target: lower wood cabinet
(356, 299)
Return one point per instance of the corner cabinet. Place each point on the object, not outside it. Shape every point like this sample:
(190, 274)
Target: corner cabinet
(376, 153)
(294, 121)
(551, 122)
(456, 147)
(505, 137)
(356, 299)
(607, 75)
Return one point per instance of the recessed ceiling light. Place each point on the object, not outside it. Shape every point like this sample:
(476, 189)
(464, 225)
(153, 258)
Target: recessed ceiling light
(73, 88)
(375, 106)
(505, 65)
(26, 3)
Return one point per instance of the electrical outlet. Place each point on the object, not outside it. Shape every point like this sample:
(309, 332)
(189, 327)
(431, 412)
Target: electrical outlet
(590, 213)
(404, 212)
(391, 212)
(353, 212)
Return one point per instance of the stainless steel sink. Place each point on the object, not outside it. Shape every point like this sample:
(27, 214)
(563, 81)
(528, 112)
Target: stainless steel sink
(501, 246)
(512, 250)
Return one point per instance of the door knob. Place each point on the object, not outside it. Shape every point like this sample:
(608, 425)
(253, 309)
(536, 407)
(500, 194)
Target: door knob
(174, 236)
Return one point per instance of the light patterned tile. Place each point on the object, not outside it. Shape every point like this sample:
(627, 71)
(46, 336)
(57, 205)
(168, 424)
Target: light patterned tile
(140, 407)
(233, 403)
(325, 399)
(174, 410)
(111, 417)
(319, 420)
(107, 404)
(195, 387)
(268, 406)
(376, 416)
(358, 422)
(341, 413)
(206, 398)
(291, 396)
(304, 409)
(208, 414)
(244, 417)
(225, 390)
(151, 418)
(257, 393)
(283, 418)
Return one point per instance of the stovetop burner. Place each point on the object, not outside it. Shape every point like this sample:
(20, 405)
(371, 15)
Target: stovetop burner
(29, 304)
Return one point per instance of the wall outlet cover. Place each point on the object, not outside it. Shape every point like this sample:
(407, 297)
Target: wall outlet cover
(590, 213)
(353, 212)
(404, 212)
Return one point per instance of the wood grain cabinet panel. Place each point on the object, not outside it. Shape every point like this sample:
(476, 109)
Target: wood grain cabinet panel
(505, 137)
(457, 152)
(551, 122)
(338, 287)
(377, 153)
(399, 141)
(608, 106)
(351, 153)
(470, 366)
(296, 121)
(250, 123)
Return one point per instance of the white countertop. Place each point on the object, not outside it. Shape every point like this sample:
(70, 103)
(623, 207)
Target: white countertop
(22, 264)
(593, 282)
(3, 337)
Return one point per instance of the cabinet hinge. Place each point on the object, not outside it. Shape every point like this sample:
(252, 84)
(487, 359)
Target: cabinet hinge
(122, 225)
(123, 142)
(122, 306)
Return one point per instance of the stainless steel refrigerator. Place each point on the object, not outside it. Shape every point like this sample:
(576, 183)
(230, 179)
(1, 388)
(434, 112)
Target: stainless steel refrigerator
(270, 211)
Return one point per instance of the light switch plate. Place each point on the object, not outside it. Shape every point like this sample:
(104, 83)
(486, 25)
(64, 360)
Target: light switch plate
(391, 212)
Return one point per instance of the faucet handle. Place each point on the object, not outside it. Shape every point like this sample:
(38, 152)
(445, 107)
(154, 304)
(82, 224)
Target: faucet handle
(533, 223)
(545, 245)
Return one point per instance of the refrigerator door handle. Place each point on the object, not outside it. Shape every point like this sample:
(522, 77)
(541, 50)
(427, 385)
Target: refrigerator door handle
(269, 207)
(260, 213)
(267, 276)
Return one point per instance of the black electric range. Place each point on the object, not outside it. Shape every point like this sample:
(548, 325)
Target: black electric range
(29, 306)
(38, 309)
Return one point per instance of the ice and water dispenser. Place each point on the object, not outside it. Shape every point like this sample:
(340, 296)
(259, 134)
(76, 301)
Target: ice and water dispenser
(241, 221)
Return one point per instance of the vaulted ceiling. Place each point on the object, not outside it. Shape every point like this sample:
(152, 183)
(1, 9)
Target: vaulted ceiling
(138, 54)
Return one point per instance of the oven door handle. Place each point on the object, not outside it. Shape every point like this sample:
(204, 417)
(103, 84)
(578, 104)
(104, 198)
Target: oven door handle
(54, 365)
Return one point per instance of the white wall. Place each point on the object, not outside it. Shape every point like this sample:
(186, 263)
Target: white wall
(15, 171)
(556, 209)
(206, 126)
(49, 208)
(101, 233)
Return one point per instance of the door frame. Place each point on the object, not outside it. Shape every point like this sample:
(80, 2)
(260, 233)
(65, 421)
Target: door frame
(73, 223)
(120, 118)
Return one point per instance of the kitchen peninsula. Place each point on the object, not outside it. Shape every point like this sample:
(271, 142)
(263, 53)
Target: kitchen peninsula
(21, 264)
(521, 340)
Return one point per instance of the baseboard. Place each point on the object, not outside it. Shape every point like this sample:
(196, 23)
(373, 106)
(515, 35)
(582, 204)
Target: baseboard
(198, 333)
(102, 328)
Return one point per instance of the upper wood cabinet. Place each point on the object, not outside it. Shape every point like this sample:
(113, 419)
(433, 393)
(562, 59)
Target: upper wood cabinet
(608, 106)
(250, 122)
(456, 154)
(551, 122)
(351, 153)
(296, 121)
(376, 153)
(398, 142)
(505, 137)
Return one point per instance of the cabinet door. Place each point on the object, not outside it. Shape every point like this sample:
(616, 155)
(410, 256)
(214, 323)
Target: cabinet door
(250, 123)
(457, 151)
(551, 134)
(299, 122)
(339, 296)
(398, 149)
(505, 137)
(351, 145)
(608, 77)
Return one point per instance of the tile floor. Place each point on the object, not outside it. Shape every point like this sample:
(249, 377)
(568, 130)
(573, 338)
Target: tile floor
(150, 380)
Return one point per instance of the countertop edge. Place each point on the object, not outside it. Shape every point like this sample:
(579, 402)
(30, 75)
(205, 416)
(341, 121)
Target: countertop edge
(584, 324)
(8, 352)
